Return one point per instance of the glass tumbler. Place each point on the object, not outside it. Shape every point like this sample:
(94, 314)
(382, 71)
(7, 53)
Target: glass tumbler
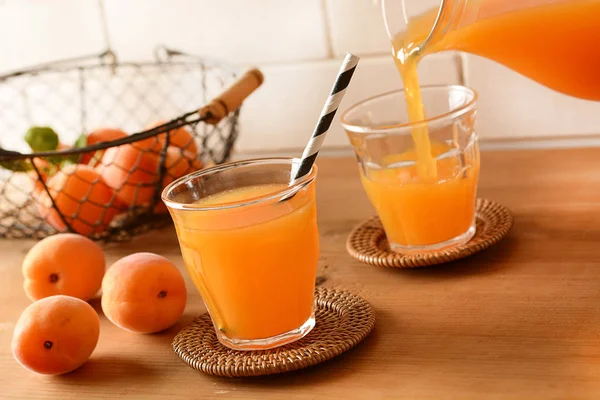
(250, 244)
(420, 212)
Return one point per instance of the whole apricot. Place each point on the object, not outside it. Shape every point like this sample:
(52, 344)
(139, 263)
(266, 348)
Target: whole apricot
(178, 163)
(46, 168)
(55, 335)
(67, 264)
(99, 136)
(179, 137)
(132, 173)
(83, 198)
(143, 293)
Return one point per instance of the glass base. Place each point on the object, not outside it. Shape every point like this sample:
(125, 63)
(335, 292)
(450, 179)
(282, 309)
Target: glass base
(268, 343)
(456, 241)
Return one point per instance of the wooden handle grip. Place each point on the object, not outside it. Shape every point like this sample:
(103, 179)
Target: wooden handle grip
(232, 97)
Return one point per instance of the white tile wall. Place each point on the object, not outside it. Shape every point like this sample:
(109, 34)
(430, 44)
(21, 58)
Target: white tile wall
(511, 105)
(297, 44)
(235, 30)
(357, 25)
(36, 31)
(283, 113)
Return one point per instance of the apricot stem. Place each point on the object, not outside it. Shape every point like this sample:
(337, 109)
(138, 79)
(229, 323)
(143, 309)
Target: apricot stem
(53, 278)
(162, 294)
(48, 344)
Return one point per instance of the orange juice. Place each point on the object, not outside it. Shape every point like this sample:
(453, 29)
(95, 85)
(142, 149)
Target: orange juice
(253, 261)
(425, 162)
(552, 42)
(416, 213)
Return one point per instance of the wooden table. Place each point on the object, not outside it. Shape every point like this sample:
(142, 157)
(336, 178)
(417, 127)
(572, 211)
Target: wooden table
(520, 320)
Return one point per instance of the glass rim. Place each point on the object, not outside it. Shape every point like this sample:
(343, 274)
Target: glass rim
(279, 194)
(463, 109)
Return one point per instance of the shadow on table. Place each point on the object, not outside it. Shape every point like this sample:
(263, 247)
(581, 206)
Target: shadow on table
(96, 304)
(102, 369)
(487, 262)
(427, 355)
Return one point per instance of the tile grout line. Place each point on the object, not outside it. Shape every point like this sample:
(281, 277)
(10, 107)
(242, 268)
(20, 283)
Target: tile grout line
(104, 25)
(313, 60)
(550, 143)
(460, 69)
(327, 28)
(464, 69)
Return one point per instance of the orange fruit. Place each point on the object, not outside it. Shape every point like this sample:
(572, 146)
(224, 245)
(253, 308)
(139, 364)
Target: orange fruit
(143, 293)
(180, 137)
(55, 335)
(155, 144)
(38, 181)
(83, 198)
(45, 167)
(104, 135)
(132, 173)
(100, 136)
(66, 263)
(178, 163)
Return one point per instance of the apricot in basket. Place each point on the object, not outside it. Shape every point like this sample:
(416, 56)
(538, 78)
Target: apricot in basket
(83, 198)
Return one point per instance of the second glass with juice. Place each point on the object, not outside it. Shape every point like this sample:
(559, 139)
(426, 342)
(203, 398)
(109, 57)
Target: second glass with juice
(419, 212)
(424, 189)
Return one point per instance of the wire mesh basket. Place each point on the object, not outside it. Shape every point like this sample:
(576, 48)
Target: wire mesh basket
(81, 168)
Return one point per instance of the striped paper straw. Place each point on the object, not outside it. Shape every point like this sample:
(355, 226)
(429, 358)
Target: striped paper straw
(331, 105)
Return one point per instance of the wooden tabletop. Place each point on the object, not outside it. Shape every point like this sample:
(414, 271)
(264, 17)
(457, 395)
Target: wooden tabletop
(519, 320)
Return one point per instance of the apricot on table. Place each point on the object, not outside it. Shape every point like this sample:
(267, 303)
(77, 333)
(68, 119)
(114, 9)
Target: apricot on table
(67, 264)
(133, 173)
(83, 198)
(143, 293)
(55, 335)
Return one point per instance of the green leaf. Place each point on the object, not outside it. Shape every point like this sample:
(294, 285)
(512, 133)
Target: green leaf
(80, 142)
(41, 138)
(63, 160)
(17, 165)
(67, 160)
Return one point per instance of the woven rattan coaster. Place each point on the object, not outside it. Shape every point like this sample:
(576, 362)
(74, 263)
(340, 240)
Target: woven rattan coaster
(367, 242)
(343, 320)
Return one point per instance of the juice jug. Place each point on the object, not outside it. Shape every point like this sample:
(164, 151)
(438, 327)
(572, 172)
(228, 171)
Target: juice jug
(554, 42)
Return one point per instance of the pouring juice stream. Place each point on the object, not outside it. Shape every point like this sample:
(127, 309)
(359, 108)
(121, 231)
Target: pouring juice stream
(552, 42)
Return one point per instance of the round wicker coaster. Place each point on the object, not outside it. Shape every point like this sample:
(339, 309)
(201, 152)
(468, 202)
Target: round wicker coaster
(367, 242)
(343, 320)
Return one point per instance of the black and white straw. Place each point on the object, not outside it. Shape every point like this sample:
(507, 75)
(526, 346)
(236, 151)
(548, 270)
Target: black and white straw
(331, 105)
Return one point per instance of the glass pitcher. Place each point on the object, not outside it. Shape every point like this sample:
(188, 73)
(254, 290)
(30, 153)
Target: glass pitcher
(554, 42)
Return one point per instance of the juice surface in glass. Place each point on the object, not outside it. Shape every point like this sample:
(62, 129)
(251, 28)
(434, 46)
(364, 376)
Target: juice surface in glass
(418, 214)
(253, 259)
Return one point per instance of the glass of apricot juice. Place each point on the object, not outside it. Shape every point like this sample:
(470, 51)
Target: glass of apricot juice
(250, 244)
(421, 176)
